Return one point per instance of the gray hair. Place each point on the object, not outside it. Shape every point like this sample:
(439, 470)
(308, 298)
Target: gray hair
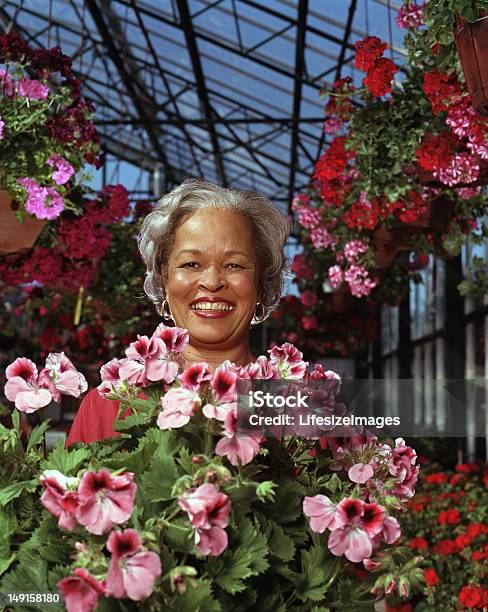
(270, 229)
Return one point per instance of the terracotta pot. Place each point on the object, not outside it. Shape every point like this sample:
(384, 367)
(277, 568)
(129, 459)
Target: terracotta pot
(472, 45)
(427, 178)
(15, 236)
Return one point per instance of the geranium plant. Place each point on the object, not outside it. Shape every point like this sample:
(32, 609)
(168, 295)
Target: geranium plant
(47, 135)
(448, 525)
(183, 512)
(402, 170)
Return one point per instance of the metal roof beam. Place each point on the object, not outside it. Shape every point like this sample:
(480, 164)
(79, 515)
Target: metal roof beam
(297, 92)
(191, 42)
(129, 80)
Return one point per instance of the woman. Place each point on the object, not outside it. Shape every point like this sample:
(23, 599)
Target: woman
(215, 262)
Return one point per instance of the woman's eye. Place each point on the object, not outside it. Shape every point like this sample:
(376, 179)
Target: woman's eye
(190, 264)
(233, 266)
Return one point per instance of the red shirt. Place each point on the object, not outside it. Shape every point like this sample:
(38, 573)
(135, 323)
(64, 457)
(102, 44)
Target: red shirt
(94, 419)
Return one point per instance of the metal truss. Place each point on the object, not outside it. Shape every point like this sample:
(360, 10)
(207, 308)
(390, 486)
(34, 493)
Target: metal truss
(198, 86)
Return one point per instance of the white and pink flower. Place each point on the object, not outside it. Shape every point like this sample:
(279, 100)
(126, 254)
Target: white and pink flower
(289, 361)
(238, 448)
(105, 500)
(81, 591)
(60, 497)
(321, 512)
(133, 569)
(179, 405)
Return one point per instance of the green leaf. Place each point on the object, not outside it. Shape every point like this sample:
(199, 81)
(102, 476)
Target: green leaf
(6, 563)
(273, 602)
(313, 581)
(280, 544)
(37, 434)
(68, 462)
(14, 490)
(157, 482)
(16, 420)
(195, 599)
(47, 542)
(130, 421)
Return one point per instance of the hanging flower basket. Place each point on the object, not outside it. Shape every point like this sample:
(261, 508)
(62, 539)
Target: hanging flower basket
(472, 45)
(15, 236)
(338, 301)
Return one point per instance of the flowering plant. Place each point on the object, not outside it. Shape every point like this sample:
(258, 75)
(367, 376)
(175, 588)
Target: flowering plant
(448, 525)
(382, 182)
(46, 129)
(182, 512)
(300, 320)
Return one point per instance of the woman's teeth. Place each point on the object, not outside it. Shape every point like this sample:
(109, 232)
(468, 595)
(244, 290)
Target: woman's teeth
(211, 306)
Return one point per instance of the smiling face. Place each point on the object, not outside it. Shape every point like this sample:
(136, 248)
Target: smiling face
(212, 278)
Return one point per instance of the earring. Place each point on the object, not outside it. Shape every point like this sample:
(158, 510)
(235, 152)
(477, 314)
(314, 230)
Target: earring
(259, 318)
(165, 310)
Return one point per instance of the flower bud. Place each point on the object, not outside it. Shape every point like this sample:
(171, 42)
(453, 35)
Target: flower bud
(371, 565)
(389, 583)
(404, 587)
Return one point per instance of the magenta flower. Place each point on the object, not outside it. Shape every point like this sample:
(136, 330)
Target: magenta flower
(321, 512)
(223, 384)
(105, 500)
(63, 170)
(401, 465)
(321, 238)
(42, 202)
(309, 218)
(359, 281)
(336, 276)
(60, 497)
(32, 89)
(262, 368)
(390, 532)
(6, 83)
(360, 473)
(289, 361)
(81, 591)
(24, 388)
(179, 405)
(132, 569)
(300, 200)
(237, 447)
(411, 16)
(2, 125)
(175, 338)
(194, 376)
(208, 510)
(133, 369)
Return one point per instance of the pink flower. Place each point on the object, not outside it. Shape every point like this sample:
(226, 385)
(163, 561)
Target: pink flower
(308, 218)
(262, 368)
(132, 569)
(175, 338)
(410, 16)
(357, 522)
(133, 369)
(300, 200)
(208, 510)
(23, 386)
(42, 202)
(335, 276)
(308, 298)
(360, 283)
(289, 361)
(2, 125)
(223, 384)
(59, 497)
(34, 90)
(6, 83)
(179, 405)
(391, 530)
(105, 500)
(110, 376)
(321, 512)
(63, 170)
(332, 125)
(194, 376)
(360, 473)
(321, 238)
(237, 447)
(308, 322)
(401, 465)
(353, 249)
(64, 377)
(80, 592)
(462, 168)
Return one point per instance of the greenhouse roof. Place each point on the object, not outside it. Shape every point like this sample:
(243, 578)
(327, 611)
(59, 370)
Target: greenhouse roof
(223, 89)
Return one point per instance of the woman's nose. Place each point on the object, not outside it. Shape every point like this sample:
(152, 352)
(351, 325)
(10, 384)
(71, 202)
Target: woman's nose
(212, 278)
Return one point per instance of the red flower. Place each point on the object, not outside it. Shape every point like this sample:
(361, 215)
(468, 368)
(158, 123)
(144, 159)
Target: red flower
(379, 78)
(431, 577)
(476, 529)
(467, 468)
(462, 541)
(449, 517)
(437, 478)
(436, 151)
(333, 162)
(479, 555)
(445, 547)
(418, 544)
(442, 90)
(368, 51)
(473, 597)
